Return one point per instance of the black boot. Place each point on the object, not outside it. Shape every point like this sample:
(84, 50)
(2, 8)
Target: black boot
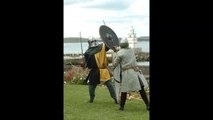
(116, 102)
(123, 100)
(92, 93)
(145, 98)
(91, 100)
(121, 108)
(147, 107)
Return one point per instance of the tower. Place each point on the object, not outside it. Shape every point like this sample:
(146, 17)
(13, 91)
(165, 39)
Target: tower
(132, 39)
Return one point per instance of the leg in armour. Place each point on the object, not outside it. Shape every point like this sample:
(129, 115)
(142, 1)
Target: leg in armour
(92, 92)
(123, 100)
(111, 90)
(144, 97)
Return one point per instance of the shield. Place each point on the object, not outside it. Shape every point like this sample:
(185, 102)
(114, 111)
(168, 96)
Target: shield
(108, 36)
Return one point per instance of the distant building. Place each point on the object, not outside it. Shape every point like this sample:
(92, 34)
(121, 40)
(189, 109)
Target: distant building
(132, 38)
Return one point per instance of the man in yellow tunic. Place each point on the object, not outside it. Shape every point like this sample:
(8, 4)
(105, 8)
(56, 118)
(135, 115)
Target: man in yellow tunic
(96, 61)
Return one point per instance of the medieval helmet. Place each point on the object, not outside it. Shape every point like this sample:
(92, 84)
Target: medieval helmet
(124, 43)
(92, 42)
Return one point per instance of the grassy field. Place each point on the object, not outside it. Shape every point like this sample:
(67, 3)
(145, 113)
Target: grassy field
(103, 108)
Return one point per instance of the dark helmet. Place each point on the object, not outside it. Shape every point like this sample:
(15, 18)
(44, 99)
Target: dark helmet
(124, 43)
(92, 42)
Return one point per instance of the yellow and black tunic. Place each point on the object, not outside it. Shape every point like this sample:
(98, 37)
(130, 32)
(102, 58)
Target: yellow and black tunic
(96, 60)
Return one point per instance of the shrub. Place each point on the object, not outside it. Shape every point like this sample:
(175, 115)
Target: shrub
(68, 76)
(76, 75)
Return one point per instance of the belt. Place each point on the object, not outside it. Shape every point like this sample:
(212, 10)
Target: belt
(135, 68)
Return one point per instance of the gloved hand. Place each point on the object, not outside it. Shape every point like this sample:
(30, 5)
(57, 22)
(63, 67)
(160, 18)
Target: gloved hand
(115, 48)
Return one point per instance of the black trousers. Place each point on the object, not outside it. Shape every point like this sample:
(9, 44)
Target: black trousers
(142, 93)
(109, 86)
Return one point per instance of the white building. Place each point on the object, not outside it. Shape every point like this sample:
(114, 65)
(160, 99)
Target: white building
(132, 38)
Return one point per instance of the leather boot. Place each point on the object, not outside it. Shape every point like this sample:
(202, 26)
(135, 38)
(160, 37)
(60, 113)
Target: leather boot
(147, 107)
(121, 108)
(116, 102)
(123, 100)
(145, 98)
(92, 93)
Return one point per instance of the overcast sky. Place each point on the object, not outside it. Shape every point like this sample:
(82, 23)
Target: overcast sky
(86, 16)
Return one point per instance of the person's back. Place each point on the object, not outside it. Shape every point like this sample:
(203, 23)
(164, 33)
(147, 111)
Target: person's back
(128, 57)
(130, 80)
(96, 61)
(89, 56)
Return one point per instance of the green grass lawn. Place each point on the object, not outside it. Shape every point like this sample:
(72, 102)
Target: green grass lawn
(103, 108)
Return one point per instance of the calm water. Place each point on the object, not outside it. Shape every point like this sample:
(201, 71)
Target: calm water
(76, 47)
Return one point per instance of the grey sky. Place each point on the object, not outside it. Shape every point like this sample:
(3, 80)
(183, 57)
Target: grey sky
(86, 16)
